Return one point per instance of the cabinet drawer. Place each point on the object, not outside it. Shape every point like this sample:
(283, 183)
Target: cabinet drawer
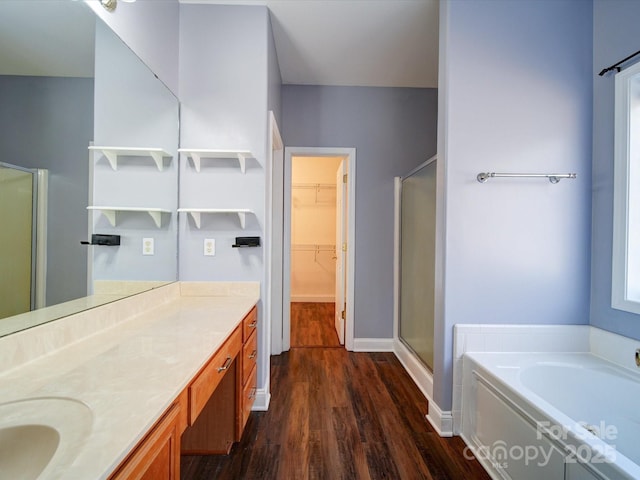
(249, 324)
(249, 356)
(210, 376)
(249, 396)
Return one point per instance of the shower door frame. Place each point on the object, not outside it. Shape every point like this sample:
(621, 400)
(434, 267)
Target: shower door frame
(421, 374)
(39, 179)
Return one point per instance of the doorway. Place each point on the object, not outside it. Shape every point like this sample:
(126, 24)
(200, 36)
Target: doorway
(317, 286)
(322, 282)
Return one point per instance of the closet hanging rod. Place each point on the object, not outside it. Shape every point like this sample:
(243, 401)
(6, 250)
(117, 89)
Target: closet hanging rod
(553, 177)
(313, 247)
(313, 185)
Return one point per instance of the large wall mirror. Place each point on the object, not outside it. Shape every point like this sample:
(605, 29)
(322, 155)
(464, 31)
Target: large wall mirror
(67, 83)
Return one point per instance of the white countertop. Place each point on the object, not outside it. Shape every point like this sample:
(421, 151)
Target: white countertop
(128, 374)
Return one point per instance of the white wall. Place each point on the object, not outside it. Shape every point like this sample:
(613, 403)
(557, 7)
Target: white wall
(515, 96)
(133, 109)
(615, 36)
(150, 28)
(224, 100)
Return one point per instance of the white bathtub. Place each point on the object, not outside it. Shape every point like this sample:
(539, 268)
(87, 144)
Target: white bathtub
(551, 416)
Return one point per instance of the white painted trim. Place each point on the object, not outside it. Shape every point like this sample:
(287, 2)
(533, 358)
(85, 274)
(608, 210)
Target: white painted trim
(263, 398)
(90, 223)
(440, 420)
(313, 298)
(273, 261)
(373, 344)
(350, 155)
(420, 374)
(621, 180)
(274, 144)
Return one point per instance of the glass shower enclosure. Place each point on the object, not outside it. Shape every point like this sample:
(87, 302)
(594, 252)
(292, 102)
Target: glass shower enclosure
(20, 257)
(417, 261)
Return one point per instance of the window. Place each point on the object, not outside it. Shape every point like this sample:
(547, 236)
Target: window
(625, 293)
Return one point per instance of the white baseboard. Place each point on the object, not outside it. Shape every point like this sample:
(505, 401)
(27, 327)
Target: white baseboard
(313, 298)
(262, 400)
(420, 374)
(441, 421)
(373, 344)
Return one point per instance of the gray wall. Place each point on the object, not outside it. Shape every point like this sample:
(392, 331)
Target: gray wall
(615, 36)
(133, 109)
(515, 96)
(393, 131)
(48, 123)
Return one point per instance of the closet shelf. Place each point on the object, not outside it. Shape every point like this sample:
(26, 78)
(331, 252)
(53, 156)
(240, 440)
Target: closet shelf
(110, 212)
(197, 212)
(112, 154)
(197, 154)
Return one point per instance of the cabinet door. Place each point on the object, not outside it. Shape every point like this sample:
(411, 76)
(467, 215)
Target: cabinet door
(247, 400)
(157, 456)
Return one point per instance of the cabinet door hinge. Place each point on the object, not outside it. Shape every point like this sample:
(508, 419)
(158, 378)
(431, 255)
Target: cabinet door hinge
(344, 178)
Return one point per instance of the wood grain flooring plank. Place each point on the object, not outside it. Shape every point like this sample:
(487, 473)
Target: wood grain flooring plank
(312, 325)
(339, 415)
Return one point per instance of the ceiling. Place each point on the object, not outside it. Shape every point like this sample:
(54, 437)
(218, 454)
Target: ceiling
(382, 43)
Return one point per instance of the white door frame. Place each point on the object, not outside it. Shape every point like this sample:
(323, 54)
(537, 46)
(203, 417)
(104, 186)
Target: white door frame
(282, 336)
(272, 304)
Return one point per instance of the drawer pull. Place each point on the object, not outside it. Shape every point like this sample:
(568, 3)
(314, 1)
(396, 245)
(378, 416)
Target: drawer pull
(253, 324)
(226, 365)
(252, 395)
(253, 355)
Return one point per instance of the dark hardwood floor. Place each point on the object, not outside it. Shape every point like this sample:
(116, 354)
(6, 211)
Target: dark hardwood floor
(312, 325)
(335, 415)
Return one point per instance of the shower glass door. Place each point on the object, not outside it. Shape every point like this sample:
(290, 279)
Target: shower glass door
(417, 261)
(16, 239)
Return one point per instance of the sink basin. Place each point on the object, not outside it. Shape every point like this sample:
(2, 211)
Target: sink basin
(39, 436)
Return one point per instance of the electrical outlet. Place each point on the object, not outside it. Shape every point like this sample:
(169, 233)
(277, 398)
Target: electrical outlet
(209, 247)
(147, 246)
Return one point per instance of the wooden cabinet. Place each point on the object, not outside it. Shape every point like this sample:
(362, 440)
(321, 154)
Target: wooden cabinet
(248, 384)
(157, 456)
(212, 402)
(220, 400)
(208, 416)
(205, 383)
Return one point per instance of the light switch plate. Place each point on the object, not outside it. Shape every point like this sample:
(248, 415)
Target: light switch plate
(147, 246)
(209, 247)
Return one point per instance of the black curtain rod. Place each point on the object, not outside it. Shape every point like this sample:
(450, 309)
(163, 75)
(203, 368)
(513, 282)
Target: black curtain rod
(616, 67)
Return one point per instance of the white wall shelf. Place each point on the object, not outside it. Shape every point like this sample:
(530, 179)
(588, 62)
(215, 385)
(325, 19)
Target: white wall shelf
(112, 154)
(110, 213)
(196, 213)
(197, 154)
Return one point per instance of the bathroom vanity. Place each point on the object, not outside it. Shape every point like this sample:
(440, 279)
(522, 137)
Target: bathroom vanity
(163, 372)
